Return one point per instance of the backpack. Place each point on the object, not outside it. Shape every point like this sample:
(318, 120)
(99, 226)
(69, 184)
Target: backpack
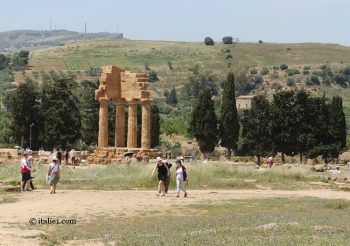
(184, 173)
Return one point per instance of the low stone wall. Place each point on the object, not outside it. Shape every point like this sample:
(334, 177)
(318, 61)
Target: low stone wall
(110, 155)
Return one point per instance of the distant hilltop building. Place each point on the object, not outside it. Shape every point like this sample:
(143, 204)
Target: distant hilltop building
(244, 102)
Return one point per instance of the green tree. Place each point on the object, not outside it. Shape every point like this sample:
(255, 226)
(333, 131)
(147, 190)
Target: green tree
(322, 142)
(227, 40)
(155, 126)
(171, 97)
(283, 123)
(302, 121)
(20, 60)
(4, 61)
(338, 124)
(198, 81)
(244, 81)
(229, 125)
(61, 116)
(89, 109)
(256, 124)
(153, 76)
(5, 127)
(203, 123)
(208, 41)
(24, 111)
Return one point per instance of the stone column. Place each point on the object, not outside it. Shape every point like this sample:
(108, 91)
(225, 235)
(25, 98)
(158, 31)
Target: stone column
(120, 123)
(146, 125)
(103, 123)
(132, 124)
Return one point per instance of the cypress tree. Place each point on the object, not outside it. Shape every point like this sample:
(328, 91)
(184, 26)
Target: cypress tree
(229, 126)
(283, 123)
(338, 123)
(203, 123)
(25, 111)
(89, 112)
(155, 126)
(61, 116)
(173, 97)
(256, 124)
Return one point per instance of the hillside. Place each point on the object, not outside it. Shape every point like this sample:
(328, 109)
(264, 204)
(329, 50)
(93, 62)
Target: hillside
(171, 61)
(34, 39)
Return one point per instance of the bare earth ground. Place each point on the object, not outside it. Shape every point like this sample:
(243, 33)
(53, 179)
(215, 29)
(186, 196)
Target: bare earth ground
(82, 205)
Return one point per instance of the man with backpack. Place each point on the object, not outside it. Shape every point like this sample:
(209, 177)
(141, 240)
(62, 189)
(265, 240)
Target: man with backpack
(181, 178)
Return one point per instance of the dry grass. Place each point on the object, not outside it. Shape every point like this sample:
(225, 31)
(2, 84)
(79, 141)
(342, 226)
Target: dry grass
(273, 221)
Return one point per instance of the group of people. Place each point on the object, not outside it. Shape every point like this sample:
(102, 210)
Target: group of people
(52, 178)
(164, 175)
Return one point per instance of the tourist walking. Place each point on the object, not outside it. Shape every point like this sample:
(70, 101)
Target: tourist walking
(181, 178)
(59, 156)
(66, 155)
(167, 181)
(30, 178)
(25, 171)
(53, 174)
(163, 173)
(72, 156)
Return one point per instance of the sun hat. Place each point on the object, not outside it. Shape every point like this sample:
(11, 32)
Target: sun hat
(159, 158)
(54, 158)
(270, 158)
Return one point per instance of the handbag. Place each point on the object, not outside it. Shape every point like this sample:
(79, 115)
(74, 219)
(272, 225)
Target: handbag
(48, 179)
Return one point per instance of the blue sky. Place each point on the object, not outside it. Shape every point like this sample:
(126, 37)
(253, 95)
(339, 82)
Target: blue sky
(284, 21)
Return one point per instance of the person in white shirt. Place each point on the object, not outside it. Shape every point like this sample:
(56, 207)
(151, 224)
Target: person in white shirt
(72, 156)
(53, 174)
(181, 177)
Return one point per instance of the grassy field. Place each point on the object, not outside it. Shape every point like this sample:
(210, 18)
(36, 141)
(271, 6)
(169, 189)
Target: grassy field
(250, 221)
(201, 176)
(272, 221)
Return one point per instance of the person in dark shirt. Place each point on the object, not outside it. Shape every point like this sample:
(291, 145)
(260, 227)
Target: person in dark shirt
(163, 174)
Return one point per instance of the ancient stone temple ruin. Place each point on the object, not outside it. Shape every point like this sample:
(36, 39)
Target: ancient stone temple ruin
(122, 87)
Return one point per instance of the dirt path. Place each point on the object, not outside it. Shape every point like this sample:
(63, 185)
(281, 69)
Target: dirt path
(82, 205)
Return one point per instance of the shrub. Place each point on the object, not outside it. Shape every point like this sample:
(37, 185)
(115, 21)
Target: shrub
(253, 71)
(147, 66)
(320, 73)
(283, 66)
(260, 41)
(345, 71)
(208, 41)
(307, 67)
(170, 65)
(292, 71)
(228, 56)
(277, 86)
(264, 71)
(306, 72)
(93, 71)
(227, 50)
(340, 79)
(152, 76)
(327, 81)
(227, 40)
(275, 68)
(258, 79)
(290, 82)
(308, 82)
(314, 79)
(323, 67)
(274, 75)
